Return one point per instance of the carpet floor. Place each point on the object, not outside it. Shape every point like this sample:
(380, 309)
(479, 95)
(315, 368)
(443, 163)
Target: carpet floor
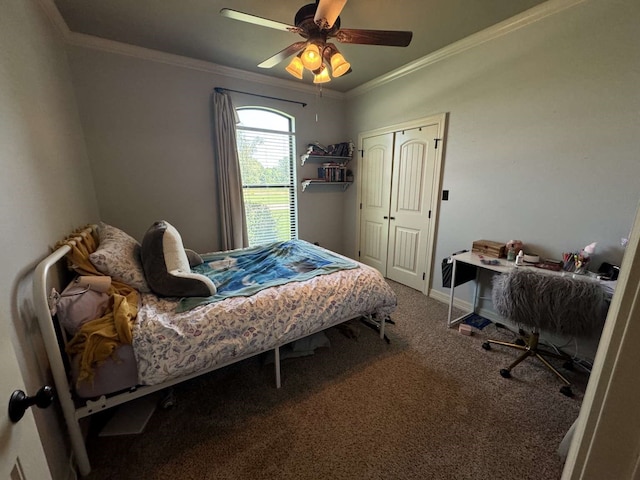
(428, 405)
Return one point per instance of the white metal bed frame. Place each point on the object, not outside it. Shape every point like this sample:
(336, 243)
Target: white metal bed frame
(42, 285)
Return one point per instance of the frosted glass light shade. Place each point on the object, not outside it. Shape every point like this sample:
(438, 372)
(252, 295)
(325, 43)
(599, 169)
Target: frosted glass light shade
(322, 76)
(295, 68)
(311, 58)
(339, 66)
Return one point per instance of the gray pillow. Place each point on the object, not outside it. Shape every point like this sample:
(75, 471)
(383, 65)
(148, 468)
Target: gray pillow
(166, 265)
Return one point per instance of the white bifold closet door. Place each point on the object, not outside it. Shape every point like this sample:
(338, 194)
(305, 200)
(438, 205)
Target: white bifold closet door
(398, 173)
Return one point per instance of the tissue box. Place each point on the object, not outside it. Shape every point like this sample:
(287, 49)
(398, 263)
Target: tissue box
(489, 248)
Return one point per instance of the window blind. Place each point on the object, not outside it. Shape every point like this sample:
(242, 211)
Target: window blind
(267, 164)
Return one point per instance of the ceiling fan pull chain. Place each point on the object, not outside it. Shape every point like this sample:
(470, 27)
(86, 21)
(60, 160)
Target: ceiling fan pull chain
(318, 99)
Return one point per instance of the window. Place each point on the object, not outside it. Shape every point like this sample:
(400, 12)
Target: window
(266, 149)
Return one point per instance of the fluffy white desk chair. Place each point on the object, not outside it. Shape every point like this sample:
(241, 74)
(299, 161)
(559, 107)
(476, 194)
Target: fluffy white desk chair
(538, 301)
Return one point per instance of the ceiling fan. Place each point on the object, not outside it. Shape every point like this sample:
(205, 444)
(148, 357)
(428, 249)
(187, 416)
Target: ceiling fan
(317, 23)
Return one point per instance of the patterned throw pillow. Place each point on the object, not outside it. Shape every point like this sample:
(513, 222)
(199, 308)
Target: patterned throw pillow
(118, 255)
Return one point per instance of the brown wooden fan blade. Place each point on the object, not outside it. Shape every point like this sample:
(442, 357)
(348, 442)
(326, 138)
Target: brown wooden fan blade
(282, 55)
(392, 38)
(263, 22)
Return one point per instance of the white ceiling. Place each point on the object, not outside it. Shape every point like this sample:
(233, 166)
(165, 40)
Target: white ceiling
(195, 29)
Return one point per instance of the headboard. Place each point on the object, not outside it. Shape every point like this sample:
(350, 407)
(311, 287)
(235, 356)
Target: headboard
(52, 272)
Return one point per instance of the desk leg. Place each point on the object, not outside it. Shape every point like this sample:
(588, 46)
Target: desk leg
(451, 294)
(475, 291)
(450, 322)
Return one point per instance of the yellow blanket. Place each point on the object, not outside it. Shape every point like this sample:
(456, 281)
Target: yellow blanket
(98, 339)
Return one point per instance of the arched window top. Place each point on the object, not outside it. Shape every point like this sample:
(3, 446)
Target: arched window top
(251, 117)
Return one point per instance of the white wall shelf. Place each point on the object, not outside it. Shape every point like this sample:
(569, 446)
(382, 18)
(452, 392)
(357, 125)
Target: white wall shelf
(320, 182)
(307, 157)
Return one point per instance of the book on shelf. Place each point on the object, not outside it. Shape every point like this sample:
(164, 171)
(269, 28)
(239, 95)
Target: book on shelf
(332, 172)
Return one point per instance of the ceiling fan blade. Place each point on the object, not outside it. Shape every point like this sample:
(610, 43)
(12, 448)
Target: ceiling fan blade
(327, 12)
(263, 22)
(392, 38)
(282, 55)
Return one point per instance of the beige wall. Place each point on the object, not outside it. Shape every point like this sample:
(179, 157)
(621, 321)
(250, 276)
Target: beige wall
(45, 187)
(543, 133)
(148, 137)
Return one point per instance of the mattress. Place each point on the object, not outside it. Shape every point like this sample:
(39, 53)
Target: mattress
(168, 345)
(116, 374)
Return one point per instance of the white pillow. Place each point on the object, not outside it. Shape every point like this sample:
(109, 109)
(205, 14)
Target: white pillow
(118, 255)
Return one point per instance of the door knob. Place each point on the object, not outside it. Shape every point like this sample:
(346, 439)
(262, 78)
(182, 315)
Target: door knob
(20, 401)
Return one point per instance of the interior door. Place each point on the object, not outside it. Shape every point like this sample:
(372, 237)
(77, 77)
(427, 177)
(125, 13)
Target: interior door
(410, 211)
(21, 454)
(375, 190)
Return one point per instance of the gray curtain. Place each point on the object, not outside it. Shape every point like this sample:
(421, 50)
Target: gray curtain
(233, 225)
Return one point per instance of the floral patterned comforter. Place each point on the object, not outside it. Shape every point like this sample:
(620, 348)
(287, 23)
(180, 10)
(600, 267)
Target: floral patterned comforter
(169, 345)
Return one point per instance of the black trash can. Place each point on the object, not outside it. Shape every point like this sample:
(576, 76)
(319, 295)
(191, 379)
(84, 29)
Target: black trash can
(464, 271)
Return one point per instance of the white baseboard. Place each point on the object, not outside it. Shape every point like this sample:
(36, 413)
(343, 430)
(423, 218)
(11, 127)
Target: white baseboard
(444, 298)
(464, 305)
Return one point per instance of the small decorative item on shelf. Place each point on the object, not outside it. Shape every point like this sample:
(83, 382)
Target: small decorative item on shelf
(316, 148)
(344, 149)
(349, 176)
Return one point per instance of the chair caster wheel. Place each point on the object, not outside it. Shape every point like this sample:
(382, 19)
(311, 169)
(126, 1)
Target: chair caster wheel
(505, 373)
(486, 346)
(520, 342)
(568, 365)
(566, 390)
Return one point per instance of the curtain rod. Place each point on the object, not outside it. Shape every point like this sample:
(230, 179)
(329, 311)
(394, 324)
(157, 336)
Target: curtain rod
(220, 90)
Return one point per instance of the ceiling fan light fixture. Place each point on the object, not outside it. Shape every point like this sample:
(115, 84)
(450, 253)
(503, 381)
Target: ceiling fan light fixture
(327, 12)
(295, 67)
(321, 75)
(339, 66)
(311, 57)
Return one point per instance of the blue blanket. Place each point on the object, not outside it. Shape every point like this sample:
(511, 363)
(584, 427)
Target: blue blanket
(247, 271)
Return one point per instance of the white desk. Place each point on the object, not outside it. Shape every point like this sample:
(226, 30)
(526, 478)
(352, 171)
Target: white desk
(475, 260)
(503, 267)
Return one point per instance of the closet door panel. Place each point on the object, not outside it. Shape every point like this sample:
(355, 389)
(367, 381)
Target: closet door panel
(410, 175)
(405, 255)
(411, 188)
(375, 191)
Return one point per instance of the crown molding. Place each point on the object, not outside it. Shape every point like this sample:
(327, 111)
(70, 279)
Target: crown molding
(528, 17)
(120, 48)
(54, 16)
(111, 46)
